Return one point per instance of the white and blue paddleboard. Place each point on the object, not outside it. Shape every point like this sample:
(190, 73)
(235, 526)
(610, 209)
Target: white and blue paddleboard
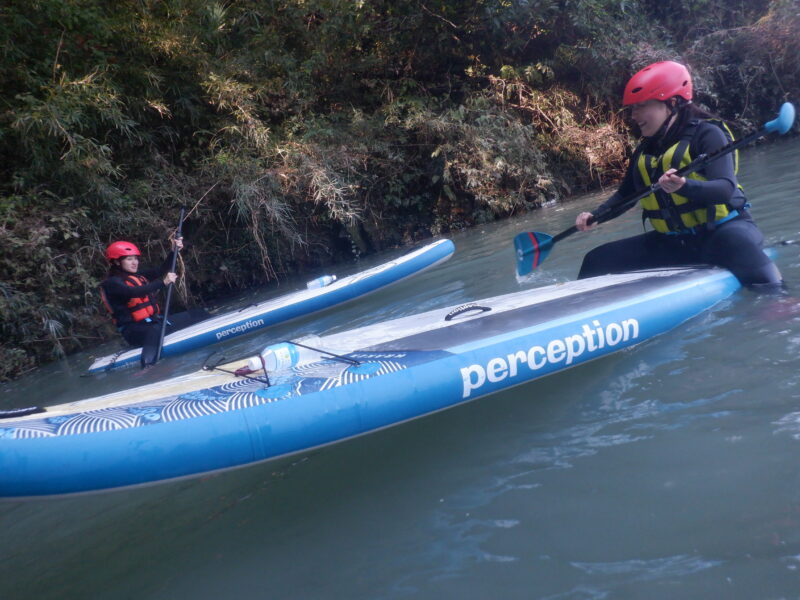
(367, 379)
(285, 308)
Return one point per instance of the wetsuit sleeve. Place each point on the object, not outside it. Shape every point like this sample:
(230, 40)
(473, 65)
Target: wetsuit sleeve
(116, 287)
(721, 180)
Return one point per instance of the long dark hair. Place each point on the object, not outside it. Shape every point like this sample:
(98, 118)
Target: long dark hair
(686, 112)
(115, 270)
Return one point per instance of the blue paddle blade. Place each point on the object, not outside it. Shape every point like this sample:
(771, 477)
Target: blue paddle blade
(532, 248)
(784, 121)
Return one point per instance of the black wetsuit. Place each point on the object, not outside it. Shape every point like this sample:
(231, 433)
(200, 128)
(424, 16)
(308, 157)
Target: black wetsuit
(735, 244)
(147, 333)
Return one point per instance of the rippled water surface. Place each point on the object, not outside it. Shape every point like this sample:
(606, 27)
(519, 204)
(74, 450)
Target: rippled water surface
(667, 471)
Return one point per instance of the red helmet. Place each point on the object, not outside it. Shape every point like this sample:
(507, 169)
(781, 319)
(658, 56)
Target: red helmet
(120, 249)
(659, 81)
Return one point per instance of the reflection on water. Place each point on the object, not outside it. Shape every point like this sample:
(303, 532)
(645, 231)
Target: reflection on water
(643, 570)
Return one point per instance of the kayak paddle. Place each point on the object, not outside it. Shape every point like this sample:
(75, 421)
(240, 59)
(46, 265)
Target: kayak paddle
(532, 247)
(169, 289)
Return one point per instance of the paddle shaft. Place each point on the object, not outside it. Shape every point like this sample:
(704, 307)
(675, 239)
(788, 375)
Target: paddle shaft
(178, 233)
(697, 164)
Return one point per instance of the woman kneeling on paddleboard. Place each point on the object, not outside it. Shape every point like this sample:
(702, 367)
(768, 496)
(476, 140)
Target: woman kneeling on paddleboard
(128, 294)
(701, 218)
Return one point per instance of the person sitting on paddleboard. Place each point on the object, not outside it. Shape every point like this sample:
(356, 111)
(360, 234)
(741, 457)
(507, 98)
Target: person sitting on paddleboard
(701, 218)
(129, 295)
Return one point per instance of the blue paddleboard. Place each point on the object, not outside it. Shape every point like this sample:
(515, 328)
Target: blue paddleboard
(359, 381)
(285, 308)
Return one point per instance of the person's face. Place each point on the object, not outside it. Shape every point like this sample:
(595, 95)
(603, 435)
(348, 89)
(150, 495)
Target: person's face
(129, 264)
(650, 115)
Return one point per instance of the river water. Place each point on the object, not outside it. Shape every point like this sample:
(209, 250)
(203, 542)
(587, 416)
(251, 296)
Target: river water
(667, 471)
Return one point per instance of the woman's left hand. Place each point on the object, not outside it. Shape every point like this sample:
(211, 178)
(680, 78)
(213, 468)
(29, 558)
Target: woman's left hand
(177, 243)
(670, 182)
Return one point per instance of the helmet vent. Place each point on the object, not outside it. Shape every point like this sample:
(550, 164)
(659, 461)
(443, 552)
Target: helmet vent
(636, 90)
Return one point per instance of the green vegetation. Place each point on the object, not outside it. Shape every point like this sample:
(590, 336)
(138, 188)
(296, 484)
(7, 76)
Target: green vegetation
(300, 132)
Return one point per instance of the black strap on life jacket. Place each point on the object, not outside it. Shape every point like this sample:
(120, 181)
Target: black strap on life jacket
(667, 210)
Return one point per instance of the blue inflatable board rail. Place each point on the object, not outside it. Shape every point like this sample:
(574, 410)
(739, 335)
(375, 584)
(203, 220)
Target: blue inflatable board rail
(367, 379)
(285, 308)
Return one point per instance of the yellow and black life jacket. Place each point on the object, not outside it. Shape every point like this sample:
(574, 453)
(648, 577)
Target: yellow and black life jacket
(673, 213)
(140, 308)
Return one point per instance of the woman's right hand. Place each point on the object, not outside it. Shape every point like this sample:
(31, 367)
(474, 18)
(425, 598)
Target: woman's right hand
(582, 221)
(170, 278)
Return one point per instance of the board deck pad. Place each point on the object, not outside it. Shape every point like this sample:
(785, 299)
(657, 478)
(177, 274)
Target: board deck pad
(236, 395)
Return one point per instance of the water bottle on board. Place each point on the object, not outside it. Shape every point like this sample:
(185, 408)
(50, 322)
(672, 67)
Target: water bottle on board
(285, 355)
(320, 282)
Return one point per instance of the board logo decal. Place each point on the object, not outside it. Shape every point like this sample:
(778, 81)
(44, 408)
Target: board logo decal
(240, 328)
(591, 339)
